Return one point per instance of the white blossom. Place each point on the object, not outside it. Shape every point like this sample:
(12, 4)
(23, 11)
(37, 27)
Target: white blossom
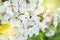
(23, 19)
(50, 33)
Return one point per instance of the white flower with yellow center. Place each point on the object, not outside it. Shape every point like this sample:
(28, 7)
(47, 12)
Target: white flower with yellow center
(20, 18)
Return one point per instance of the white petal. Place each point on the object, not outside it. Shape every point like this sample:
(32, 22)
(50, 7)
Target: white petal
(9, 11)
(22, 3)
(50, 33)
(39, 10)
(15, 9)
(40, 1)
(6, 16)
(6, 4)
(2, 9)
(4, 21)
(55, 22)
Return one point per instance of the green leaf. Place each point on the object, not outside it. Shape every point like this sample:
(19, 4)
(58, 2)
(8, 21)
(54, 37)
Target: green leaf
(33, 38)
(53, 28)
(1, 3)
(37, 4)
(40, 36)
(0, 21)
(46, 30)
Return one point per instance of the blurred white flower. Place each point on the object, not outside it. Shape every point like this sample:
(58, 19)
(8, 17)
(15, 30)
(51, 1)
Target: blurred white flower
(35, 19)
(2, 37)
(6, 16)
(6, 4)
(42, 26)
(31, 23)
(24, 20)
(39, 10)
(31, 6)
(33, 30)
(14, 22)
(22, 3)
(18, 23)
(33, 1)
(22, 34)
(12, 38)
(21, 17)
(50, 33)
(15, 3)
(22, 9)
(9, 11)
(2, 10)
(40, 1)
(55, 22)
(4, 21)
(58, 12)
(15, 9)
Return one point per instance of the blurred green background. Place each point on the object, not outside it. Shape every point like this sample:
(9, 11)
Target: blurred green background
(54, 4)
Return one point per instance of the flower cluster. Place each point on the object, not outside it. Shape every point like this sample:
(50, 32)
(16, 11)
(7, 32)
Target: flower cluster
(21, 19)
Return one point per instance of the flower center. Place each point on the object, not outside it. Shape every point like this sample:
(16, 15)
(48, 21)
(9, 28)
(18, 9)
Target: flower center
(3, 28)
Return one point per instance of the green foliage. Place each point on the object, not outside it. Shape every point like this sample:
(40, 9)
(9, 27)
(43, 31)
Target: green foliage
(53, 28)
(33, 38)
(1, 3)
(38, 37)
(0, 21)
